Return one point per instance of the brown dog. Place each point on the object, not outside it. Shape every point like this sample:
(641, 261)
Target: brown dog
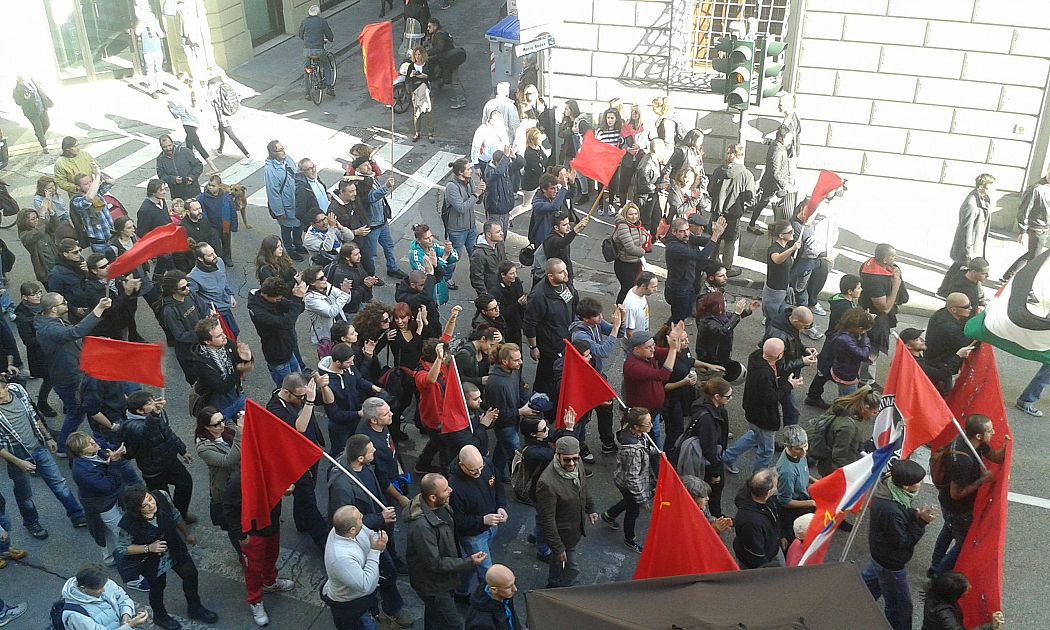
(240, 201)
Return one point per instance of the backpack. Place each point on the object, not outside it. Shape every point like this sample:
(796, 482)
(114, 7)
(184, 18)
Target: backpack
(523, 484)
(446, 211)
(817, 433)
(229, 100)
(940, 465)
(60, 607)
(608, 249)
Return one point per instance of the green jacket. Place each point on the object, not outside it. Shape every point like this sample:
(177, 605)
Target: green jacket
(433, 559)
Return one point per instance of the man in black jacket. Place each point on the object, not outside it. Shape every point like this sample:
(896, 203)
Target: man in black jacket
(357, 458)
(946, 343)
(153, 213)
(504, 393)
(179, 314)
(770, 378)
(418, 290)
(274, 317)
(492, 603)
(118, 322)
(559, 243)
(684, 252)
(198, 228)
(787, 326)
(218, 363)
(349, 213)
(895, 529)
(158, 452)
(757, 541)
(376, 418)
(551, 309)
(1032, 222)
(480, 506)
(349, 387)
(310, 191)
(775, 179)
(915, 341)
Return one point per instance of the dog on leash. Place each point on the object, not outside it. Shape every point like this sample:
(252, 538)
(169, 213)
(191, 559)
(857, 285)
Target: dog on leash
(240, 201)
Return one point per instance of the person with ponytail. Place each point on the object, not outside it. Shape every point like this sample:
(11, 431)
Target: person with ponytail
(844, 435)
(631, 475)
(710, 425)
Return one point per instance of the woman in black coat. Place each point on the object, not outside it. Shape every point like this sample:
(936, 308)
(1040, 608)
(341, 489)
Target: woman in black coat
(152, 541)
(942, 612)
(710, 424)
(715, 329)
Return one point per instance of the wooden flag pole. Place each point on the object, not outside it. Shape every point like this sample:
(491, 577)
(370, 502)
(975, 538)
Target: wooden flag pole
(346, 472)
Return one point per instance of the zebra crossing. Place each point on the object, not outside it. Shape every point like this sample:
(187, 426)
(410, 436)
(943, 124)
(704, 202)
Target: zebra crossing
(130, 159)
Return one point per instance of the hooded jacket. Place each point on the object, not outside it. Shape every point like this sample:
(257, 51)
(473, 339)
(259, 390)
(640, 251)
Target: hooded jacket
(69, 279)
(711, 427)
(179, 320)
(473, 498)
(893, 531)
(103, 612)
(499, 186)
(757, 531)
(484, 265)
(434, 564)
(211, 287)
(504, 392)
(324, 308)
(219, 209)
(152, 443)
(210, 379)
(632, 465)
(763, 390)
(485, 613)
(598, 336)
(350, 389)
(275, 322)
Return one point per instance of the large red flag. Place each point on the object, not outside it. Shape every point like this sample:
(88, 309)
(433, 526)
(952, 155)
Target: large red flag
(582, 387)
(977, 391)
(273, 456)
(454, 414)
(826, 182)
(111, 360)
(596, 159)
(377, 52)
(167, 239)
(924, 412)
(680, 540)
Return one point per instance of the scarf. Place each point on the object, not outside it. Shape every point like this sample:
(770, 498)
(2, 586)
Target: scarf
(221, 359)
(206, 268)
(573, 476)
(875, 268)
(900, 495)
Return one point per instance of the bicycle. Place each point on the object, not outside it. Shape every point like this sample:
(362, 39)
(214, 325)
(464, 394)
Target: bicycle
(314, 76)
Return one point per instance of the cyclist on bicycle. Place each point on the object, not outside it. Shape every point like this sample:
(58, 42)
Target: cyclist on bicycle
(315, 33)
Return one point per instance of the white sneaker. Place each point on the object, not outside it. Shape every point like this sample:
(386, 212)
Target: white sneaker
(259, 614)
(813, 333)
(280, 585)
(819, 310)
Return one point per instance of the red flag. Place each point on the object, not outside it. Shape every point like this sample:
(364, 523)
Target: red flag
(273, 456)
(582, 387)
(454, 414)
(924, 412)
(826, 182)
(596, 159)
(977, 391)
(111, 360)
(680, 540)
(167, 239)
(377, 52)
(226, 330)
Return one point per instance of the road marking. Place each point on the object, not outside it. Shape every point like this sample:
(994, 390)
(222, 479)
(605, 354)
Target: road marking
(382, 154)
(258, 198)
(139, 158)
(421, 182)
(238, 172)
(1025, 499)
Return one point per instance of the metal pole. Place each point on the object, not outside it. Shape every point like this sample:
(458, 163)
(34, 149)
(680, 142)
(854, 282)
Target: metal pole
(346, 472)
(670, 52)
(391, 136)
(856, 526)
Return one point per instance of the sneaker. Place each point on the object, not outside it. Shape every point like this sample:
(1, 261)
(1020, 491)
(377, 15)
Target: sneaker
(296, 256)
(816, 402)
(754, 229)
(813, 333)
(36, 530)
(587, 472)
(588, 458)
(401, 619)
(633, 546)
(609, 449)
(166, 622)
(610, 521)
(141, 585)
(259, 614)
(246, 161)
(330, 91)
(546, 559)
(80, 523)
(200, 613)
(457, 105)
(397, 273)
(818, 310)
(531, 538)
(730, 468)
(734, 272)
(280, 585)
(16, 554)
(190, 518)
(1029, 409)
(10, 613)
(452, 286)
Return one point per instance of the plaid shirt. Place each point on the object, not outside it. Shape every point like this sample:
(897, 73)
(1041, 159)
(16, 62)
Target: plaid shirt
(10, 440)
(97, 221)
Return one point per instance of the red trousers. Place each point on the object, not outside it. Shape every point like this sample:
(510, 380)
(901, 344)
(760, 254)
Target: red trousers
(260, 568)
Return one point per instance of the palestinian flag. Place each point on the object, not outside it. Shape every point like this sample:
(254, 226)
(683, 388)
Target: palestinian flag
(1010, 322)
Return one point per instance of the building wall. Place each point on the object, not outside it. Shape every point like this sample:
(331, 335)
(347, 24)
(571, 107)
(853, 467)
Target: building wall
(231, 41)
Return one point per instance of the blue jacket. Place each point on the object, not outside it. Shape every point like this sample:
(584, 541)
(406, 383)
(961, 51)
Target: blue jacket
(211, 287)
(314, 31)
(280, 189)
(499, 189)
(61, 342)
(847, 353)
(602, 345)
(350, 389)
(96, 479)
(218, 209)
(377, 214)
(543, 211)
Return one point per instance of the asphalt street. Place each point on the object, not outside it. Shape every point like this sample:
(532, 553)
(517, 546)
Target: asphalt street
(323, 133)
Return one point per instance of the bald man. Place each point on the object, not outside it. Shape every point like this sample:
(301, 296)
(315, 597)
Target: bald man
(770, 379)
(946, 343)
(351, 559)
(480, 506)
(492, 604)
(788, 325)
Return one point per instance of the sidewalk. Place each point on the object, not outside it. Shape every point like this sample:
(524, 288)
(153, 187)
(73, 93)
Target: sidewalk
(271, 73)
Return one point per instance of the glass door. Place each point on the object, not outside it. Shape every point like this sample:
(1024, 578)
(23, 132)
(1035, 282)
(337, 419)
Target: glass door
(92, 39)
(265, 19)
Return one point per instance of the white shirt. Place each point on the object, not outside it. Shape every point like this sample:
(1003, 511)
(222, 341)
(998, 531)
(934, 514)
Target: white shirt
(352, 566)
(636, 311)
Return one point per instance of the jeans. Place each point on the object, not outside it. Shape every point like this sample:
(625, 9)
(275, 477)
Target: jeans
(1035, 388)
(5, 524)
(153, 65)
(174, 475)
(630, 508)
(281, 370)
(227, 314)
(542, 548)
(469, 580)
(392, 600)
(656, 433)
(307, 516)
(560, 576)
(798, 278)
(790, 409)
(348, 616)
(759, 439)
(229, 403)
(1038, 240)
(773, 302)
(46, 469)
(440, 612)
(506, 443)
(682, 301)
(626, 274)
(71, 408)
(260, 564)
(380, 236)
(464, 238)
(892, 586)
(959, 527)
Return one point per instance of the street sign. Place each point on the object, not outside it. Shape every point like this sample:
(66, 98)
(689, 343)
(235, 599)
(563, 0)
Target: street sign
(536, 45)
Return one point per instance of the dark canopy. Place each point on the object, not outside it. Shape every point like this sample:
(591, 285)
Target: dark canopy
(825, 597)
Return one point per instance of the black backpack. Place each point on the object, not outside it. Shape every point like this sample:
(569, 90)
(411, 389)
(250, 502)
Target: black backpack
(60, 607)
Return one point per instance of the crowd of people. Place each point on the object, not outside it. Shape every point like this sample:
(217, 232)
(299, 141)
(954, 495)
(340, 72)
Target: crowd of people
(378, 368)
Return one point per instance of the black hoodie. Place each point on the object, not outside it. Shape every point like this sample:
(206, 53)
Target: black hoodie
(275, 323)
(757, 539)
(486, 613)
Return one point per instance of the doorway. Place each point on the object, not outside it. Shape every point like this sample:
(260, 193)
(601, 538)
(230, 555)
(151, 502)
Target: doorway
(93, 39)
(265, 19)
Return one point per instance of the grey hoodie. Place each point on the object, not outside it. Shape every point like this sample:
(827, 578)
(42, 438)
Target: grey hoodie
(105, 611)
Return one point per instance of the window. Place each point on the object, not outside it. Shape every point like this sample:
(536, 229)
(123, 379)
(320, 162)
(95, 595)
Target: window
(707, 21)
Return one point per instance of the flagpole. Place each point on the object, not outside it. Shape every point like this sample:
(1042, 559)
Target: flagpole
(959, 428)
(346, 472)
(462, 396)
(856, 525)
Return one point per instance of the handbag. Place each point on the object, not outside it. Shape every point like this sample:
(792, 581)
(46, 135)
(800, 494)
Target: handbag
(527, 255)
(393, 381)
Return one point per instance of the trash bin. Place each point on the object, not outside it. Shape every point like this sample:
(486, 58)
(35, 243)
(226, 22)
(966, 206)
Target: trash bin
(504, 65)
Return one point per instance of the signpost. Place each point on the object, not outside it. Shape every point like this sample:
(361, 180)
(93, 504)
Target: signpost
(536, 45)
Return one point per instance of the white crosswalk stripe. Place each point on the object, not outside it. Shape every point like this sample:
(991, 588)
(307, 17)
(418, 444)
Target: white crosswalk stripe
(420, 183)
(145, 154)
(382, 154)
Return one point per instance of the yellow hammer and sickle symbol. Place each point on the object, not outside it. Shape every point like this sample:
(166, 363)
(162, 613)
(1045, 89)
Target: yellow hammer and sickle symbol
(828, 517)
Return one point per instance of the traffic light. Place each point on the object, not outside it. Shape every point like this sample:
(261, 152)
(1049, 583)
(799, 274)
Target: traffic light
(735, 60)
(770, 68)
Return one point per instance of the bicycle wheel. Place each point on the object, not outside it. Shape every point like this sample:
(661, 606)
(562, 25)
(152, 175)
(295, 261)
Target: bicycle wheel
(402, 99)
(7, 220)
(316, 89)
(334, 68)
